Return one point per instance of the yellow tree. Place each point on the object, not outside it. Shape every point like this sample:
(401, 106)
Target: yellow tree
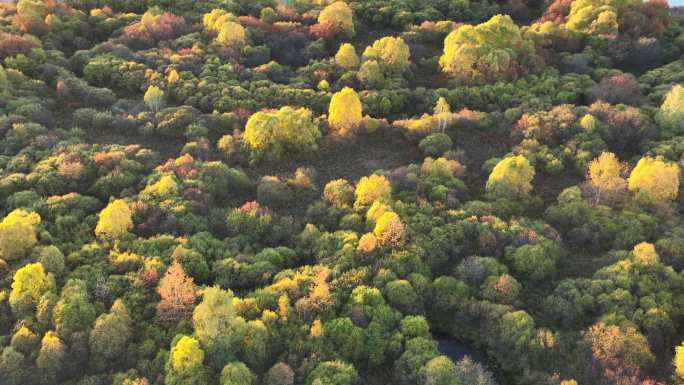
(645, 253)
(213, 20)
(605, 174)
(286, 129)
(232, 34)
(598, 17)
(679, 363)
(154, 98)
(391, 52)
(671, 113)
(339, 15)
(655, 178)
(115, 220)
(370, 189)
(29, 284)
(487, 51)
(442, 112)
(512, 176)
(346, 57)
(345, 112)
(18, 234)
(389, 229)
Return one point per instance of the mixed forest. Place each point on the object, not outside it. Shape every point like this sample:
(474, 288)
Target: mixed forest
(321, 192)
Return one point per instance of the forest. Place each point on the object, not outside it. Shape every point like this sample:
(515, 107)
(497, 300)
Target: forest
(328, 192)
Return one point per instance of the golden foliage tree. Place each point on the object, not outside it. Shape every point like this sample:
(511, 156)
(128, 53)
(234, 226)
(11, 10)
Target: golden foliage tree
(232, 34)
(655, 178)
(645, 253)
(29, 284)
(345, 112)
(671, 113)
(511, 177)
(391, 52)
(186, 354)
(339, 15)
(115, 220)
(154, 98)
(177, 292)
(370, 189)
(679, 362)
(487, 51)
(18, 234)
(605, 174)
(277, 132)
(389, 229)
(346, 57)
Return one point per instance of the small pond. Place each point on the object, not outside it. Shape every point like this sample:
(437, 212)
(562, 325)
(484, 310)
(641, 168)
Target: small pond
(457, 350)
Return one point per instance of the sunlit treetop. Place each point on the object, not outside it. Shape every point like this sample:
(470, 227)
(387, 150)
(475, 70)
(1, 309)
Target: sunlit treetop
(655, 178)
(595, 17)
(511, 177)
(346, 57)
(391, 52)
(115, 220)
(186, 354)
(339, 15)
(345, 111)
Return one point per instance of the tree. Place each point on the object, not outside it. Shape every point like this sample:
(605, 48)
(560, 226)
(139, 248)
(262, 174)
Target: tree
(679, 362)
(345, 57)
(345, 111)
(73, 313)
(339, 193)
(236, 373)
(31, 16)
(177, 293)
(340, 16)
(442, 112)
(388, 229)
(605, 174)
(216, 324)
(115, 220)
(594, 17)
(110, 335)
(232, 35)
(29, 284)
(671, 113)
(511, 177)
(391, 52)
(18, 234)
(51, 357)
(487, 52)
(279, 374)
(645, 254)
(370, 189)
(4, 83)
(655, 178)
(333, 373)
(439, 371)
(154, 98)
(185, 365)
(277, 132)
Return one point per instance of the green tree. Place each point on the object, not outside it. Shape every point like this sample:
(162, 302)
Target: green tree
(51, 358)
(439, 371)
(333, 373)
(110, 336)
(237, 373)
(74, 312)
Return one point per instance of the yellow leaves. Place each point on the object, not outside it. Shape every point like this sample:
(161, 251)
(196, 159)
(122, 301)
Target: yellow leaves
(316, 329)
(605, 174)
(282, 130)
(593, 17)
(213, 20)
(345, 111)
(645, 254)
(346, 57)
(115, 220)
(389, 229)
(485, 51)
(17, 234)
(367, 243)
(370, 189)
(172, 77)
(28, 285)
(232, 35)
(154, 98)
(679, 361)
(187, 354)
(655, 178)
(671, 113)
(164, 187)
(391, 52)
(339, 15)
(512, 176)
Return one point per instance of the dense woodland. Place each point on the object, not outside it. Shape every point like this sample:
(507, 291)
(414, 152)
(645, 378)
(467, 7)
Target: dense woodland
(262, 192)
